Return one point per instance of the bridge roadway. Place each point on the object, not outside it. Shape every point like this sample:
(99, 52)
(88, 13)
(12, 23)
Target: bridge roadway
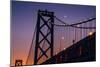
(82, 51)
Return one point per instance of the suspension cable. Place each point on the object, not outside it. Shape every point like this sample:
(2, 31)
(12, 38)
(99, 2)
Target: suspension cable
(31, 43)
(73, 25)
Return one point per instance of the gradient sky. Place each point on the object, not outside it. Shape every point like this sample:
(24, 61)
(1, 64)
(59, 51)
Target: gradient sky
(24, 18)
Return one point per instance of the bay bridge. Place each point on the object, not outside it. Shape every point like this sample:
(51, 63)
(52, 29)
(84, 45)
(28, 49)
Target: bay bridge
(56, 41)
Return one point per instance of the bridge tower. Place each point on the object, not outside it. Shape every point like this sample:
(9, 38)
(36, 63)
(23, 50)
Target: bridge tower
(44, 19)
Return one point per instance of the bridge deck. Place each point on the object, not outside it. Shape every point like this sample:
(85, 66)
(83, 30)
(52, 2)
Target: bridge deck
(82, 51)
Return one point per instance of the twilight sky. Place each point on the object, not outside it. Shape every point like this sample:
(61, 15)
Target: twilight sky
(24, 18)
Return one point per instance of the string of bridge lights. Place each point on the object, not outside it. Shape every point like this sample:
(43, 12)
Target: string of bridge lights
(75, 25)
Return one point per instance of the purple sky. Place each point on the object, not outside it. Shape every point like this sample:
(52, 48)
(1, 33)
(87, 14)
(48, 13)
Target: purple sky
(24, 18)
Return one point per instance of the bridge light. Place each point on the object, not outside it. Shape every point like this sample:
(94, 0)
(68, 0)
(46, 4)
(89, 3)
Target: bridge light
(78, 25)
(90, 18)
(85, 19)
(90, 33)
(56, 52)
(80, 21)
(62, 38)
(65, 16)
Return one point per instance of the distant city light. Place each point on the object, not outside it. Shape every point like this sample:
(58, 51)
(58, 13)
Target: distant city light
(64, 48)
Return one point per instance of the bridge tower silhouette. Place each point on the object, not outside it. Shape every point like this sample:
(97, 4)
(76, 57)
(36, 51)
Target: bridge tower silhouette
(48, 33)
(44, 20)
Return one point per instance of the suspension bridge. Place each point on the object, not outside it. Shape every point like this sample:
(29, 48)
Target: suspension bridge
(56, 41)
